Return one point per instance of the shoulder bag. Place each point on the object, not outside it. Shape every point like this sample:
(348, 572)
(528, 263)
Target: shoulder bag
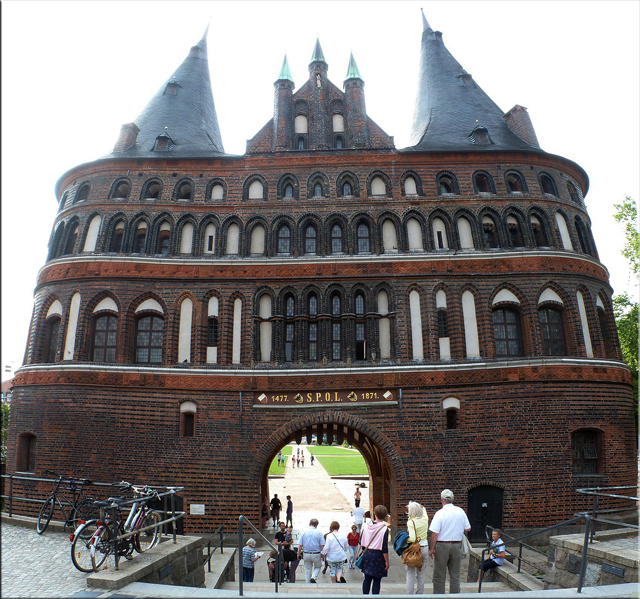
(466, 546)
(412, 556)
(360, 560)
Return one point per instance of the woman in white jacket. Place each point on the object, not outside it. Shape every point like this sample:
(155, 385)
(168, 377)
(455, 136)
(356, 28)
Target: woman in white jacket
(335, 551)
(418, 528)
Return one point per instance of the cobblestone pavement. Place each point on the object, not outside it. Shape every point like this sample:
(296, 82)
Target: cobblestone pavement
(36, 565)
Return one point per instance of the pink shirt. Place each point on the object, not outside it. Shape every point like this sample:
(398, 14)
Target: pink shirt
(369, 531)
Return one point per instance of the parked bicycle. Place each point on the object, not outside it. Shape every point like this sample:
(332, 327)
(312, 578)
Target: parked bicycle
(93, 541)
(80, 506)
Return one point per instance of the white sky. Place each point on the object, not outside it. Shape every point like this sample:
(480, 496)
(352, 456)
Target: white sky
(74, 72)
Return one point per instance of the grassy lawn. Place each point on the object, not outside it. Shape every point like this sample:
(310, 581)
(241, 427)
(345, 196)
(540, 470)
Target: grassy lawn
(274, 468)
(344, 465)
(331, 450)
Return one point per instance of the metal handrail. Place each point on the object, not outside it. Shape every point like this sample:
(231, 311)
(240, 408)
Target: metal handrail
(277, 549)
(585, 546)
(207, 560)
(597, 493)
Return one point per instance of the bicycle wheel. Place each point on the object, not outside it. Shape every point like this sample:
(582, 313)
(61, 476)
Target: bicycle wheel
(81, 547)
(148, 539)
(46, 513)
(100, 549)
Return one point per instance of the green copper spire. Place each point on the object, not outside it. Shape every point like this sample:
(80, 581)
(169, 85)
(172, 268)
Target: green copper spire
(318, 56)
(285, 73)
(352, 71)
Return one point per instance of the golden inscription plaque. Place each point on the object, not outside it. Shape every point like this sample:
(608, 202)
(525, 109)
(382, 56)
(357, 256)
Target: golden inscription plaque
(316, 398)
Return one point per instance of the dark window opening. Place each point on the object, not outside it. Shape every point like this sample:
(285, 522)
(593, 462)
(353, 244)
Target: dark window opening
(301, 144)
(587, 451)
(153, 192)
(140, 240)
(482, 184)
(71, 240)
(443, 325)
(452, 418)
(162, 144)
(440, 240)
(313, 342)
(121, 191)
(212, 332)
(361, 343)
(539, 235)
(490, 240)
(573, 192)
(339, 142)
(584, 247)
(149, 338)
(290, 306)
(83, 193)
(162, 246)
(514, 185)
(515, 235)
(26, 453)
(187, 424)
(359, 304)
(313, 305)
(506, 326)
(336, 308)
(185, 192)
(288, 343)
(51, 340)
(445, 185)
(336, 341)
(116, 239)
(317, 190)
(171, 89)
(552, 332)
(105, 338)
(210, 243)
(547, 185)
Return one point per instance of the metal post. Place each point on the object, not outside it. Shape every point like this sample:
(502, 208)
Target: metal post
(173, 515)
(481, 571)
(585, 549)
(520, 558)
(10, 495)
(595, 515)
(221, 540)
(209, 554)
(240, 556)
(114, 524)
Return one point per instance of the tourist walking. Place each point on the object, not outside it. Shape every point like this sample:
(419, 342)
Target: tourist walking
(358, 516)
(276, 507)
(289, 518)
(448, 526)
(310, 546)
(357, 496)
(335, 552)
(302, 458)
(279, 457)
(375, 543)
(293, 461)
(418, 529)
(312, 459)
(353, 538)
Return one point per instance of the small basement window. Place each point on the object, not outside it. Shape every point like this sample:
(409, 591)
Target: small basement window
(188, 410)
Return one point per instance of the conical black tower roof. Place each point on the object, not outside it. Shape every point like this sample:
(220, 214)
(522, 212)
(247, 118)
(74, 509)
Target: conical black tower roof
(183, 111)
(451, 107)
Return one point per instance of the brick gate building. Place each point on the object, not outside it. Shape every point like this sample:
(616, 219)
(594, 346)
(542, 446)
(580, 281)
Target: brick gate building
(441, 307)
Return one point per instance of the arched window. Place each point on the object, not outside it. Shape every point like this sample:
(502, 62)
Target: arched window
(364, 238)
(447, 183)
(378, 187)
(539, 234)
(361, 328)
(284, 240)
(506, 326)
(582, 236)
(233, 240)
(301, 143)
(338, 142)
(149, 338)
(414, 234)
(347, 190)
(288, 190)
(257, 240)
(440, 234)
(121, 191)
(515, 235)
(310, 240)
(185, 191)
(152, 191)
(552, 331)
(336, 328)
(482, 183)
(164, 236)
(410, 188)
(337, 242)
(52, 331)
(607, 339)
(71, 239)
(389, 236)
(515, 183)
(547, 184)
(586, 446)
(573, 192)
(105, 338)
(188, 411)
(209, 239)
(217, 192)
(83, 193)
(289, 328)
(317, 190)
(212, 337)
(256, 191)
(140, 239)
(300, 124)
(489, 229)
(312, 338)
(465, 234)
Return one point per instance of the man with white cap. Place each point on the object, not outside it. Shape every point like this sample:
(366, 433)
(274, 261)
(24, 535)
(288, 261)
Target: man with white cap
(447, 528)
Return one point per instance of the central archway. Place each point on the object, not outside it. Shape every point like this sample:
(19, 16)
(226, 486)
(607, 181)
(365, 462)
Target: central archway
(386, 472)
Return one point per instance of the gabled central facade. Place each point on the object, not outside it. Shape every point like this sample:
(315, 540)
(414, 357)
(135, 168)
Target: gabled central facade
(418, 303)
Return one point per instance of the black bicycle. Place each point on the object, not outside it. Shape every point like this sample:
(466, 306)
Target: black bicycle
(80, 506)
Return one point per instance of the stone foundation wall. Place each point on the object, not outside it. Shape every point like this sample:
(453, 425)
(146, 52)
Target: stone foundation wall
(185, 569)
(611, 559)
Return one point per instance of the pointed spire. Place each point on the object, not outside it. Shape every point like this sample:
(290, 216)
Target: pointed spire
(183, 105)
(318, 56)
(352, 70)
(285, 72)
(425, 23)
(450, 104)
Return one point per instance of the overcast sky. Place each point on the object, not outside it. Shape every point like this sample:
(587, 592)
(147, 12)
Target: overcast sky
(74, 72)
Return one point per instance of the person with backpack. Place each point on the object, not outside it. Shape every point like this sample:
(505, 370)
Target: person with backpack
(418, 529)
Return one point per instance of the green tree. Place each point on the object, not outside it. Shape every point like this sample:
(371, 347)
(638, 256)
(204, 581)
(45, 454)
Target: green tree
(625, 308)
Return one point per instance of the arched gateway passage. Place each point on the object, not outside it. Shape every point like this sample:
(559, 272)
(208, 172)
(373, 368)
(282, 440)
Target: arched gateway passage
(386, 473)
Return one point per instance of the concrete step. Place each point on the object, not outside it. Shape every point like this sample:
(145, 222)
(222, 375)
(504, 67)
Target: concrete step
(354, 587)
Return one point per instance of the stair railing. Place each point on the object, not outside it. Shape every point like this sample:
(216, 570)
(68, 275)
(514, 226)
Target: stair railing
(277, 549)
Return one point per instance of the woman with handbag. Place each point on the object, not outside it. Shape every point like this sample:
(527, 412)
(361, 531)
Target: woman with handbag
(418, 529)
(375, 553)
